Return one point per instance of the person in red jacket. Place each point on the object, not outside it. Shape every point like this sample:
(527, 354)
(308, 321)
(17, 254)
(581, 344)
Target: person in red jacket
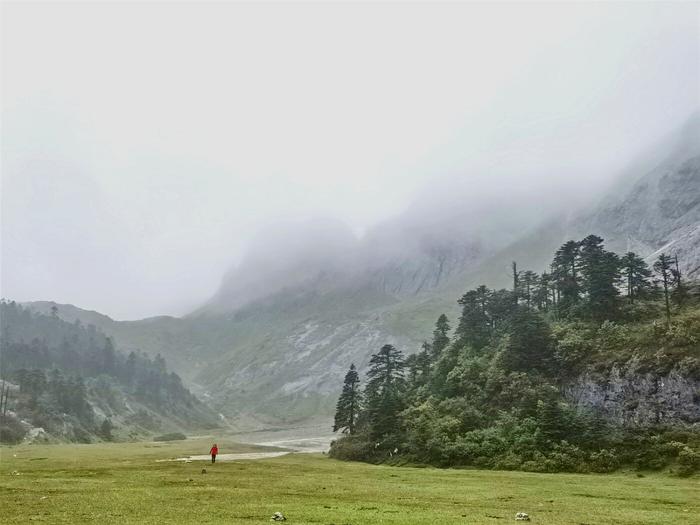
(214, 451)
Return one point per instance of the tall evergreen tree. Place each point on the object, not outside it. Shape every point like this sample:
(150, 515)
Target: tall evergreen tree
(348, 405)
(662, 267)
(418, 366)
(529, 344)
(474, 326)
(528, 286)
(680, 293)
(637, 275)
(600, 271)
(440, 337)
(542, 297)
(109, 357)
(565, 272)
(383, 393)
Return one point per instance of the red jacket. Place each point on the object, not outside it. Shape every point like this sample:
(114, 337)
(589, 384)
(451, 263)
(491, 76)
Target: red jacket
(214, 451)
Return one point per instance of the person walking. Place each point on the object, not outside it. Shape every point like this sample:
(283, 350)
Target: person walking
(214, 451)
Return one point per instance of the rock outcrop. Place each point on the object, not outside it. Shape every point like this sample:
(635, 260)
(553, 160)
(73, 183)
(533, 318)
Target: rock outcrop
(632, 397)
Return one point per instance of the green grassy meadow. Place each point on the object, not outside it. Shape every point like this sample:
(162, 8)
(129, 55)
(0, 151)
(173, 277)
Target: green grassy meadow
(123, 483)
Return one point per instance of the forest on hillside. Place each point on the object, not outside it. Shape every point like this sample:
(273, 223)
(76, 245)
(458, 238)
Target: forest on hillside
(495, 392)
(69, 380)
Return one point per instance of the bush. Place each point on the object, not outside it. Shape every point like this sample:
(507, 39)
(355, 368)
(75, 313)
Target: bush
(688, 462)
(604, 461)
(352, 448)
(508, 462)
(11, 430)
(172, 436)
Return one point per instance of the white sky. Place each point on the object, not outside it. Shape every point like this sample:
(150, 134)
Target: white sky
(143, 144)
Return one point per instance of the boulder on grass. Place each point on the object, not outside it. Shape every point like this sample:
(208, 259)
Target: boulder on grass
(278, 516)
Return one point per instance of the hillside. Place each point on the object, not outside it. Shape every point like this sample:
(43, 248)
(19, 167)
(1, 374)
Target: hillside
(68, 381)
(564, 371)
(277, 337)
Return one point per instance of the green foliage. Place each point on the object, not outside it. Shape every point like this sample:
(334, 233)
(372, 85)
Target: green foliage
(11, 430)
(688, 461)
(529, 345)
(384, 392)
(67, 367)
(494, 396)
(172, 436)
(348, 406)
(106, 430)
(123, 483)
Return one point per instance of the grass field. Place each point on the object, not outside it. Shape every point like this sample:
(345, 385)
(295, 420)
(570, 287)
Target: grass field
(123, 483)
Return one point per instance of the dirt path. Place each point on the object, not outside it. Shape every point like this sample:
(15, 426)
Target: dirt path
(232, 457)
(297, 445)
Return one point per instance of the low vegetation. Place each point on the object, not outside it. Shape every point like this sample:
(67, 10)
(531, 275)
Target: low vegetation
(493, 394)
(172, 436)
(125, 483)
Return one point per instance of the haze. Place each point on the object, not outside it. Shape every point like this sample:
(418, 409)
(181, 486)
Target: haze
(145, 145)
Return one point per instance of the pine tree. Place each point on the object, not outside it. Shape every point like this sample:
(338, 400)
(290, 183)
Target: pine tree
(108, 357)
(440, 337)
(637, 276)
(528, 286)
(565, 272)
(130, 369)
(680, 293)
(383, 393)
(106, 429)
(600, 272)
(542, 296)
(348, 405)
(529, 344)
(662, 267)
(474, 327)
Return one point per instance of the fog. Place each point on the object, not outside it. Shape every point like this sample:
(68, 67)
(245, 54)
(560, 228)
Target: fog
(145, 145)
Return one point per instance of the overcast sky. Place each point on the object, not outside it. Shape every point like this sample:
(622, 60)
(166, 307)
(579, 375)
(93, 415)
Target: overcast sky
(143, 144)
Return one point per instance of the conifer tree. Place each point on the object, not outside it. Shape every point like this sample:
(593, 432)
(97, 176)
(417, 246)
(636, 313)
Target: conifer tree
(474, 326)
(680, 293)
(600, 273)
(528, 286)
(565, 272)
(662, 267)
(383, 393)
(348, 405)
(637, 276)
(529, 343)
(108, 357)
(440, 337)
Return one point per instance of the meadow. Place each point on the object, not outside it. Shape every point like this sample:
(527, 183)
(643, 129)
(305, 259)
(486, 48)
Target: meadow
(125, 483)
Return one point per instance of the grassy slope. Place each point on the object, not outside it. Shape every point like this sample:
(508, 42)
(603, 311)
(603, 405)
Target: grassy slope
(122, 483)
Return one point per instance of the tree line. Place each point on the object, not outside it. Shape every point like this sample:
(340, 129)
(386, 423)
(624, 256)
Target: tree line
(489, 392)
(55, 368)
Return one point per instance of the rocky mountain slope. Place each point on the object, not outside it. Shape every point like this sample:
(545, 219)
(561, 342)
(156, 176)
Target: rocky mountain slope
(277, 338)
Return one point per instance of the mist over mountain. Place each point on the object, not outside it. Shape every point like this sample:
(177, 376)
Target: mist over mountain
(311, 297)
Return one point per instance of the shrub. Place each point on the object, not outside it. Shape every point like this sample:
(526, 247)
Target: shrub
(11, 430)
(508, 462)
(688, 461)
(172, 436)
(604, 461)
(352, 448)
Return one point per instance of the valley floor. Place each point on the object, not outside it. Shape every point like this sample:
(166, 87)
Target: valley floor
(126, 483)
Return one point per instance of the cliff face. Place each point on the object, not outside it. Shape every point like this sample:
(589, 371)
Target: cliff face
(631, 397)
(659, 213)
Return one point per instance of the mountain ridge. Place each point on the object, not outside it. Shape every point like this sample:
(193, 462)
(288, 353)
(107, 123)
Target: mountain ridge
(282, 353)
